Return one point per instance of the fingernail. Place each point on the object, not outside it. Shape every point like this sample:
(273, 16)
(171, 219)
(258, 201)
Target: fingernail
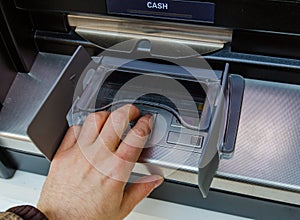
(148, 115)
(151, 119)
(159, 181)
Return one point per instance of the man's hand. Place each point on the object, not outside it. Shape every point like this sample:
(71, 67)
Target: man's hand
(88, 174)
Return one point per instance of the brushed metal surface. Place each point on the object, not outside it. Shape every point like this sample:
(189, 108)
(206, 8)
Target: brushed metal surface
(268, 143)
(26, 95)
(267, 158)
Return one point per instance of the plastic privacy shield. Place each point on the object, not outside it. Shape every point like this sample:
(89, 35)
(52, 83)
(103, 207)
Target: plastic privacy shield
(126, 74)
(121, 55)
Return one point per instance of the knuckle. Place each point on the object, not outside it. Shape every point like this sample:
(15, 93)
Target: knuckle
(144, 120)
(140, 130)
(101, 115)
(91, 117)
(119, 116)
(123, 156)
(96, 116)
(131, 108)
(129, 152)
(142, 127)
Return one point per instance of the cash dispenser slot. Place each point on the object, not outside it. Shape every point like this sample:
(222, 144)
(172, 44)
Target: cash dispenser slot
(106, 31)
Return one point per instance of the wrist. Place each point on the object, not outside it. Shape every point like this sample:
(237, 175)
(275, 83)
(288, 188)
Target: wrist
(28, 212)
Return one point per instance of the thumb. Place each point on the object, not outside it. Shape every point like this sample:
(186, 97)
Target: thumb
(138, 190)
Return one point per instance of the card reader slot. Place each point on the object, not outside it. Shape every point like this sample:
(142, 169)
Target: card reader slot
(151, 104)
(106, 95)
(113, 85)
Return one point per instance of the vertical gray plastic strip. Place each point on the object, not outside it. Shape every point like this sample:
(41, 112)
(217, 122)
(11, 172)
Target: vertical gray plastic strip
(207, 174)
(209, 160)
(211, 147)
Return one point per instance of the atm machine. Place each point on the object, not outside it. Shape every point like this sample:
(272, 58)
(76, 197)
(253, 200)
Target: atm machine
(220, 77)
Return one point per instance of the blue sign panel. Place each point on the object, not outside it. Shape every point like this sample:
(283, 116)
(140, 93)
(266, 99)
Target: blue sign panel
(169, 9)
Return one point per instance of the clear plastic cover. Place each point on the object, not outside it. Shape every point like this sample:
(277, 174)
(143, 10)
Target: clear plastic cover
(178, 87)
(120, 57)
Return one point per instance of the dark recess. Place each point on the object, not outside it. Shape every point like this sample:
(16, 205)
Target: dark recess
(17, 34)
(266, 43)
